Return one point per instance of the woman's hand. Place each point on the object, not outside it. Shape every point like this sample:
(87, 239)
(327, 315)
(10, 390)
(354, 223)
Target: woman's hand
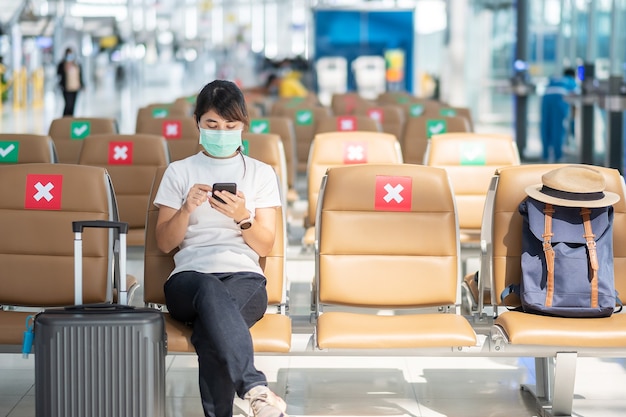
(197, 195)
(234, 205)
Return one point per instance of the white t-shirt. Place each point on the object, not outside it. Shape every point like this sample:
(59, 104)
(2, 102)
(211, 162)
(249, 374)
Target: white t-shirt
(213, 241)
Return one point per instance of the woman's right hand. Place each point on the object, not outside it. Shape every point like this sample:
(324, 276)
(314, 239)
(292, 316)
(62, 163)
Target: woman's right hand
(198, 194)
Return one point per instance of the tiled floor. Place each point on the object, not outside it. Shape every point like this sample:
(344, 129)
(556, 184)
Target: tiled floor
(325, 385)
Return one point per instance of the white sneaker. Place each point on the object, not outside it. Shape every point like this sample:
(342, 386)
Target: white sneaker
(264, 403)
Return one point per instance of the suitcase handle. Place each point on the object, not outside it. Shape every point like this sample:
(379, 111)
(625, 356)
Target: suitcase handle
(77, 227)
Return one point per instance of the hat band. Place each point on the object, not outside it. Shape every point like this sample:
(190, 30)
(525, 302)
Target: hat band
(567, 195)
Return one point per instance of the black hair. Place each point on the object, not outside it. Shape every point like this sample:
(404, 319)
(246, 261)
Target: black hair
(225, 98)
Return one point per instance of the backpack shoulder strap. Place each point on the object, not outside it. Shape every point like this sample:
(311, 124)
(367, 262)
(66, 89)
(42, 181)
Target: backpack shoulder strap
(592, 253)
(548, 211)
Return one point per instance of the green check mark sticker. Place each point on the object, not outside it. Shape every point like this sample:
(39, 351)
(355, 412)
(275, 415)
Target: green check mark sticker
(304, 117)
(295, 101)
(79, 130)
(416, 110)
(447, 112)
(473, 154)
(260, 126)
(9, 151)
(435, 127)
(159, 112)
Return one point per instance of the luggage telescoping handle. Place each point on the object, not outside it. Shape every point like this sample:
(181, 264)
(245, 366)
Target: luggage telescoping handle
(77, 227)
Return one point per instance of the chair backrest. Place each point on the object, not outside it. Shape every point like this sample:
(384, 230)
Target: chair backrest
(283, 127)
(131, 161)
(178, 108)
(368, 223)
(180, 132)
(305, 120)
(39, 202)
(68, 134)
(470, 159)
(395, 97)
(25, 148)
(346, 148)
(506, 223)
(343, 104)
(390, 117)
(416, 107)
(281, 105)
(268, 148)
(450, 111)
(418, 131)
(347, 123)
(158, 265)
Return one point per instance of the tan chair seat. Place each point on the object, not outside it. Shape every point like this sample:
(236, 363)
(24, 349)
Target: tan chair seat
(178, 336)
(270, 334)
(309, 236)
(353, 330)
(533, 329)
(469, 236)
(292, 195)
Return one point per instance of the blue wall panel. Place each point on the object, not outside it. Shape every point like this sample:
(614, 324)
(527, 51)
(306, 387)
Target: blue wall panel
(352, 33)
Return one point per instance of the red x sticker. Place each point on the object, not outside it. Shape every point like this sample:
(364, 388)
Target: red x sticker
(393, 193)
(354, 153)
(43, 192)
(375, 113)
(172, 129)
(346, 123)
(120, 153)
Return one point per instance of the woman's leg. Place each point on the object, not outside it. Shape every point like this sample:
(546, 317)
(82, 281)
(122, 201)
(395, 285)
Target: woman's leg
(222, 307)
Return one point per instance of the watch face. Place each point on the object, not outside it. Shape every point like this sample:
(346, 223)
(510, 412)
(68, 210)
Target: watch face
(245, 225)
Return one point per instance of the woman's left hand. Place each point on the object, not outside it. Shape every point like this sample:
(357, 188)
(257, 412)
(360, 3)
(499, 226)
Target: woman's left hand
(234, 205)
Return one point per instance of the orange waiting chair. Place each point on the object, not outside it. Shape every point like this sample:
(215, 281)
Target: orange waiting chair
(131, 161)
(344, 148)
(24, 148)
(555, 342)
(377, 284)
(68, 134)
(270, 334)
(38, 205)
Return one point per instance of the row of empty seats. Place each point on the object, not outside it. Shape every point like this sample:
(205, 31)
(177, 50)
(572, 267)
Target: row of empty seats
(387, 276)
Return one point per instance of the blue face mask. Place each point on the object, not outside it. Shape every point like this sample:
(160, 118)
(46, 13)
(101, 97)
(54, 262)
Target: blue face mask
(70, 57)
(220, 143)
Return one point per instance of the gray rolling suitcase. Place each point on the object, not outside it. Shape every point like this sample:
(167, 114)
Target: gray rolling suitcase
(104, 360)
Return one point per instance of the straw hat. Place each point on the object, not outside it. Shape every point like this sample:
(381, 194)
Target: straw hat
(573, 186)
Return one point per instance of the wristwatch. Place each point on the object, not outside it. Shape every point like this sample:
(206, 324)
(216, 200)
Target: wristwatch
(246, 223)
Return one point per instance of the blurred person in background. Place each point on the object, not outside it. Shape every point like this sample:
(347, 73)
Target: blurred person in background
(70, 77)
(555, 113)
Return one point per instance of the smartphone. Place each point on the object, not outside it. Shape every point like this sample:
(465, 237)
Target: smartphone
(231, 187)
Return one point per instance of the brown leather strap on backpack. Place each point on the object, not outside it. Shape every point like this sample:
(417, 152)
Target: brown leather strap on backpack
(593, 256)
(548, 211)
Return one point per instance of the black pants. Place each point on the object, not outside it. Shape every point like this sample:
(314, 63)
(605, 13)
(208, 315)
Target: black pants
(70, 102)
(222, 308)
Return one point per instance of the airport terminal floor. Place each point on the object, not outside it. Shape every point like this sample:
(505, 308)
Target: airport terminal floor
(321, 385)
